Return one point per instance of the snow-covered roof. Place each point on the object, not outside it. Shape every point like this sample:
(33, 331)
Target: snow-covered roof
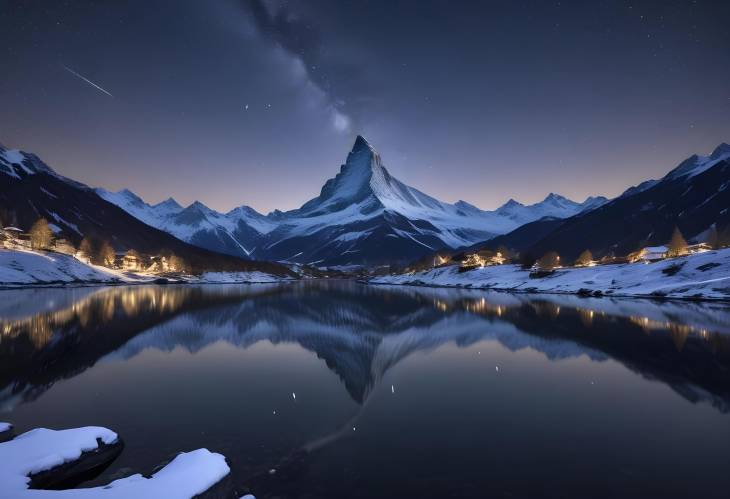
(656, 249)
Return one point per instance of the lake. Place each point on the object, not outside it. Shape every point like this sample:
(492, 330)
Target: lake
(335, 389)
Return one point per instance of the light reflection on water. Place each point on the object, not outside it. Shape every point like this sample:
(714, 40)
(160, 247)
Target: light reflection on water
(421, 392)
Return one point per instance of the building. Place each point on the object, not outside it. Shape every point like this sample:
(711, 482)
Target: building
(649, 254)
(131, 261)
(482, 258)
(14, 238)
(698, 248)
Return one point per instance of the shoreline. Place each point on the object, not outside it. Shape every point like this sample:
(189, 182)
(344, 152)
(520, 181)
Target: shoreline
(415, 284)
(698, 277)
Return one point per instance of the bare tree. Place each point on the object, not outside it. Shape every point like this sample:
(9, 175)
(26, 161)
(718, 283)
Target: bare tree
(677, 245)
(584, 259)
(41, 235)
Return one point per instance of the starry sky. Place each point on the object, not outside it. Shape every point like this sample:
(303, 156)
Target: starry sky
(257, 102)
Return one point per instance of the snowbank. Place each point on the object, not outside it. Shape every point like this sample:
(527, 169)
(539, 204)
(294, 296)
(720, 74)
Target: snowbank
(189, 474)
(699, 276)
(21, 267)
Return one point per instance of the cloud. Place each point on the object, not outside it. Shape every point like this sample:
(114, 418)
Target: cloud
(340, 121)
(301, 41)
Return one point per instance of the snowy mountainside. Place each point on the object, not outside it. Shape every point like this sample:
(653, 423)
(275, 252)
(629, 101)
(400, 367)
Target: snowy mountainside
(693, 197)
(232, 233)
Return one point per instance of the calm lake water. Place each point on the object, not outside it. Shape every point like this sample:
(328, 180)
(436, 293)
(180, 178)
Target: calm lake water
(354, 391)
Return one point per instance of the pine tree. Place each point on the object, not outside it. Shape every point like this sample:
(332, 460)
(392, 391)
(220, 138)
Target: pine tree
(505, 252)
(527, 260)
(86, 248)
(41, 235)
(549, 261)
(723, 237)
(677, 245)
(176, 264)
(107, 256)
(584, 259)
(712, 239)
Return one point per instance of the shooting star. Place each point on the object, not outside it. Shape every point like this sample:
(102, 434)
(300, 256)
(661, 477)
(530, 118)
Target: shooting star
(87, 81)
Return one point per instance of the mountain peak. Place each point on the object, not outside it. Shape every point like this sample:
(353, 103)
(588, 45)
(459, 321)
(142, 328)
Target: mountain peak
(463, 205)
(721, 150)
(511, 203)
(552, 197)
(197, 205)
(128, 195)
(168, 203)
(362, 145)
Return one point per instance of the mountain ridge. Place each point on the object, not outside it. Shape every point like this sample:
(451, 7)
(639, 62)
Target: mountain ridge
(363, 203)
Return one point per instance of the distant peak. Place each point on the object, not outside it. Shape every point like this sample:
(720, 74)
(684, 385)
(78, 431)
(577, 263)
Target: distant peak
(131, 195)
(721, 150)
(463, 205)
(169, 203)
(197, 205)
(510, 204)
(554, 197)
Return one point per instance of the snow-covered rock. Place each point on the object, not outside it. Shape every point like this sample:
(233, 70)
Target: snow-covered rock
(39, 450)
(705, 275)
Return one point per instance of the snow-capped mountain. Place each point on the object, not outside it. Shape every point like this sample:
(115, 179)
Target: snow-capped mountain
(363, 215)
(553, 206)
(234, 233)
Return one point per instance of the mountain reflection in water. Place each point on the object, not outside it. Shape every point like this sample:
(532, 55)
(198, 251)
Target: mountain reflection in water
(359, 331)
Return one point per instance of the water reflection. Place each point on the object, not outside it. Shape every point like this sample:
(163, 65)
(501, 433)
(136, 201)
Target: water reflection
(361, 331)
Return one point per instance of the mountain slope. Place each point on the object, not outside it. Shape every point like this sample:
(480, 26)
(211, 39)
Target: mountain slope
(30, 189)
(694, 196)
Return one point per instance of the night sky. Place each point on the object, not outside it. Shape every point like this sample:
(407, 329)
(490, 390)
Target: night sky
(255, 102)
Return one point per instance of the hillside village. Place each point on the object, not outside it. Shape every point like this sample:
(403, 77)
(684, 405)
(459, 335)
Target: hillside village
(41, 237)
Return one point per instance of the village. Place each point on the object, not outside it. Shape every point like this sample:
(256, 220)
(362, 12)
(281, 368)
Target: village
(90, 251)
(551, 261)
